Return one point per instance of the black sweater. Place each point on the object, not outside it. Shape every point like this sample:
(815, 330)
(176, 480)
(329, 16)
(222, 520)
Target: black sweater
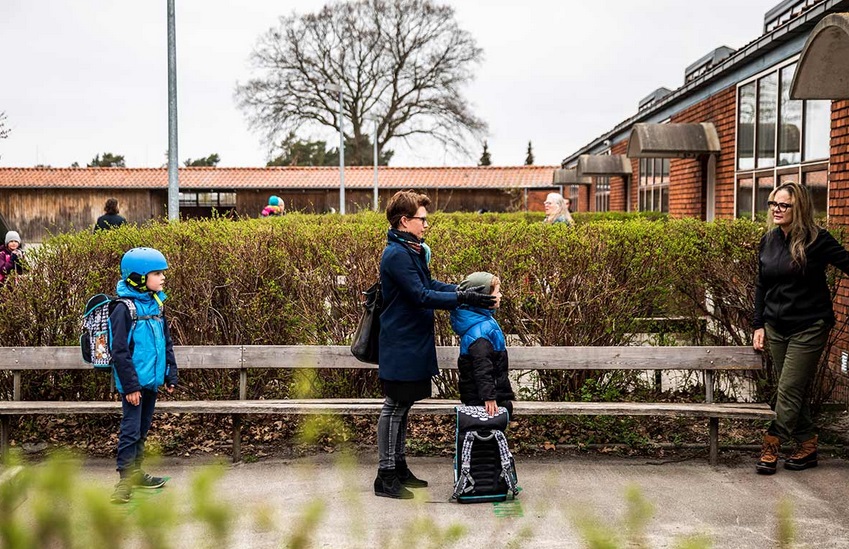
(790, 299)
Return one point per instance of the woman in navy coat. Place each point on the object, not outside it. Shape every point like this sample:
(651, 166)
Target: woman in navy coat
(407, 351)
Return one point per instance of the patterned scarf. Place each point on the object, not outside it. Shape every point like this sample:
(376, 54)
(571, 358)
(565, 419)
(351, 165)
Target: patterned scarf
(411, 242)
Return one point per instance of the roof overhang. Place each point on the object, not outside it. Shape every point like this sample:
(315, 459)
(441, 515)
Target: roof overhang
(823, 68)
(603, 165)
(569, 176)
(672, 140)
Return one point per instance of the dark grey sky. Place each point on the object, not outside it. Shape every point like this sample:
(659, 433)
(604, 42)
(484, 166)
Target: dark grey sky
(80, 78)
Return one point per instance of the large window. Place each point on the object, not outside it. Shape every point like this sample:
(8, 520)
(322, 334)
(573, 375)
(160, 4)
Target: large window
(210, 199)
(779, 140)
(602, 194)
(574, 197)
(653, 185)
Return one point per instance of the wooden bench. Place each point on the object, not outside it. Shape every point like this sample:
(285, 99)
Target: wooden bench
(707, 360)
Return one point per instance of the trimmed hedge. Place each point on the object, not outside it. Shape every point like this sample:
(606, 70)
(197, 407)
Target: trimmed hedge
(297, 279)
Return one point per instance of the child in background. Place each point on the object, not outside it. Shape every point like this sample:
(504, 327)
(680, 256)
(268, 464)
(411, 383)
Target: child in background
(11, 255)
(274, 208)
(483, 351)
(144, 359)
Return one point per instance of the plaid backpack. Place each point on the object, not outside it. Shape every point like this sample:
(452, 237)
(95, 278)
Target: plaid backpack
(94, 340)
(484, 469)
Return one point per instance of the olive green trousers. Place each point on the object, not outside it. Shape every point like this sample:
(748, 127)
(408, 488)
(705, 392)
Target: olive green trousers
(796, 358)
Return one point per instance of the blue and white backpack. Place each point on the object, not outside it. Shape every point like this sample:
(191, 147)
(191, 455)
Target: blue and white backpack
(94, 340)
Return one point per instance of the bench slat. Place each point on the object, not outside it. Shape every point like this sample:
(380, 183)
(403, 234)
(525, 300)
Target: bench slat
(373, 406)
(339, 356)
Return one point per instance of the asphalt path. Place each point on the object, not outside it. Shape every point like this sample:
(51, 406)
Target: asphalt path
(327, 501)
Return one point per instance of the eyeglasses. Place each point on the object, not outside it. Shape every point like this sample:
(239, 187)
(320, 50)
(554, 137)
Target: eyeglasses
(422, 218)
(780, 206)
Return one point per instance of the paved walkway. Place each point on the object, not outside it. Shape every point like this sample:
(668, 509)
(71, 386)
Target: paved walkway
(731, 505)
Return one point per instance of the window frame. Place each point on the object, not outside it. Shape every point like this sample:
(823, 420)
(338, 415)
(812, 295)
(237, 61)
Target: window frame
(776, 171)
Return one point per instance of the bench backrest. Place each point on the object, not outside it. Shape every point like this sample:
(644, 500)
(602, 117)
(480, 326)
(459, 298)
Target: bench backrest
(339, 356)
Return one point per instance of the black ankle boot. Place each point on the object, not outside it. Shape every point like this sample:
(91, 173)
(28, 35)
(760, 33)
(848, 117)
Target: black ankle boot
(407, 477)
(388, 485)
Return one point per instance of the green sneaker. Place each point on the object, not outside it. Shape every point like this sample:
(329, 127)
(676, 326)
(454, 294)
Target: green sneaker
(123, 491)
(143, 480)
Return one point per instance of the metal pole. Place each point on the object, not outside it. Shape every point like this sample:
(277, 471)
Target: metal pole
(341, 158)
(376, 199)
(173, 181)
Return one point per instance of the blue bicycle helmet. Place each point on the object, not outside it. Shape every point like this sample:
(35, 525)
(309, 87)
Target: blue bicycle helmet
(142, 261)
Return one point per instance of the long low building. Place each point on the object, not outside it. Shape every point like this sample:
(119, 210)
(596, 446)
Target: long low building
(42, 200)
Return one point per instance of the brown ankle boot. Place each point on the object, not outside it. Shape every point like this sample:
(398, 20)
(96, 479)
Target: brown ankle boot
(804, 457)
(769, 455)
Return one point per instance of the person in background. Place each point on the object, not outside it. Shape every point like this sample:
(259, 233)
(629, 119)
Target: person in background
(793, 316)
(275, 207)
(407, 349)
(557, 210)
(11, 255)
(110, 219)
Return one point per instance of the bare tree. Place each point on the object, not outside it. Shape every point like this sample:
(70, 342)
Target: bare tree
(403, 62)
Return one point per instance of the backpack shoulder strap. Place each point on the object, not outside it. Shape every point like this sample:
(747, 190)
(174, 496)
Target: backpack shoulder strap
(507, 471)
(131, 306)
(465, 482)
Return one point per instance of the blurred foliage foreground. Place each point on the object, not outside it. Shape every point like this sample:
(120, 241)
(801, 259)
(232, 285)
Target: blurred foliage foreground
(52, 506)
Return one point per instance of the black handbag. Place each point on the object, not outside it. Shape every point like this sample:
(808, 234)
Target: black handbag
(366, 338)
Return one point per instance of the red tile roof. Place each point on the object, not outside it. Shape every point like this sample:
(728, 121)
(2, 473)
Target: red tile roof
(359, 177)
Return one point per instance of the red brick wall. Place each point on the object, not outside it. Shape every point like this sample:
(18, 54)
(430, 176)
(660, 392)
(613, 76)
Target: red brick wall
(838, 205)
(687, 177)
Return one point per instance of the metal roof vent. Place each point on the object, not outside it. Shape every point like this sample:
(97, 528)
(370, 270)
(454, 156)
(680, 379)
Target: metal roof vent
(784, 11)
(706, 63)
(653, 98)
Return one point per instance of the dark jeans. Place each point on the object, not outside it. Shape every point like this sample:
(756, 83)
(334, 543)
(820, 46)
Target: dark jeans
(796, 358)
(135, 423)
(392, 433)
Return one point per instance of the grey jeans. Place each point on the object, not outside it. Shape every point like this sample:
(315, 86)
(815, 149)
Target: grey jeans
(796, 358)
(392, 433)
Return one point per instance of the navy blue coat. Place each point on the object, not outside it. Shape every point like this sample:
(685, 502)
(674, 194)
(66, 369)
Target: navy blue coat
(407, 344)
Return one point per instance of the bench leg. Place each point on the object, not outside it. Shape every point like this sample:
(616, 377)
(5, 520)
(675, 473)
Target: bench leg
(237, 438)
(5, 427)
(714, 440)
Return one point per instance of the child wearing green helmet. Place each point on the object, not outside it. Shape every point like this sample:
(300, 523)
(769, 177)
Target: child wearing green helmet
(144, 360)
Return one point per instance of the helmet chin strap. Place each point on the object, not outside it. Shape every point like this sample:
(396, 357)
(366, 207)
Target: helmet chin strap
(137, 281)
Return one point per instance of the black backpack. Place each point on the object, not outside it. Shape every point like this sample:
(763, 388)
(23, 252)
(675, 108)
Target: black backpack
(484, 469)
(94, 340)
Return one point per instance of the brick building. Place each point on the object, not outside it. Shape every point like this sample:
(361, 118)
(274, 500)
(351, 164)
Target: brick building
(716, 146)
(38, 201)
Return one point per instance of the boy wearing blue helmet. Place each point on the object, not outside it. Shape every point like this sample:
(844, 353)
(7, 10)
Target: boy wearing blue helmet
(144, 359)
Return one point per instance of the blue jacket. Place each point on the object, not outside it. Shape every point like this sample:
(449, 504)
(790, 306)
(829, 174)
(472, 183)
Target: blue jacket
(143, 352)
(483, 362)
(407, 345)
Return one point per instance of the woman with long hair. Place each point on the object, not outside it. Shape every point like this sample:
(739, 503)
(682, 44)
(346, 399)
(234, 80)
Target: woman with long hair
(794, 315)
(557, 209)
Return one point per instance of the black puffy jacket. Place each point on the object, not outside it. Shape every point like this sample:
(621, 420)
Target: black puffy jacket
(483, 360)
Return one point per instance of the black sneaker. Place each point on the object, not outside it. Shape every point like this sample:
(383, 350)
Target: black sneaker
(123, 491)
(143, 480)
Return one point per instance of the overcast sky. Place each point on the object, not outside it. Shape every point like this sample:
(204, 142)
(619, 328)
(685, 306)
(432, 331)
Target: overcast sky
(84, 77)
